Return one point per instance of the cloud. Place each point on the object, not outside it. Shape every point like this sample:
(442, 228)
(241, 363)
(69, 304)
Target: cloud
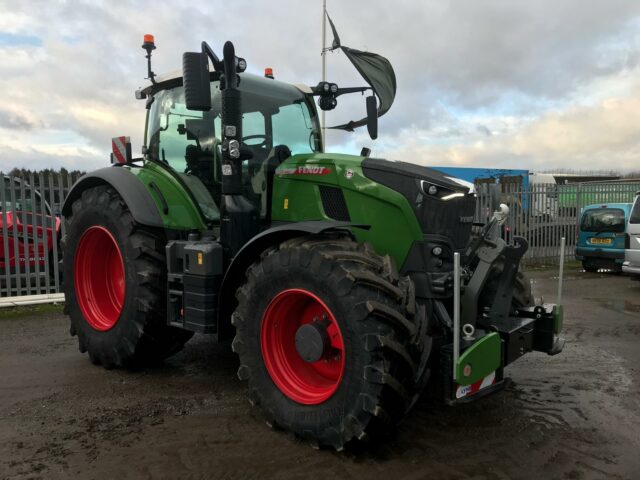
(18, 120)
(514, 70)
(601, 136)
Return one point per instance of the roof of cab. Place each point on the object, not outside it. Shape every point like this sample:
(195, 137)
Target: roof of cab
(174, 78)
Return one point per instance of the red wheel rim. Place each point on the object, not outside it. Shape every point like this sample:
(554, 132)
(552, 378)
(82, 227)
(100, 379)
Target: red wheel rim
(99, 278)
(309, 383)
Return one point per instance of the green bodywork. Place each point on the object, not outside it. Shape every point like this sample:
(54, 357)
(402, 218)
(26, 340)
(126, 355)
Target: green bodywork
(484, 357)
(183, 214)
(393, 224)
(558, 318)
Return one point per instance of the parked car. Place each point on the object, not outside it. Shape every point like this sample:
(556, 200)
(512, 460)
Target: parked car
(631, 263)
(28, 229)
(601, 236)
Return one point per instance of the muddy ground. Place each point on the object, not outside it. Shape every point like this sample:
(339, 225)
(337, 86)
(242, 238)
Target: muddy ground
(573, 416)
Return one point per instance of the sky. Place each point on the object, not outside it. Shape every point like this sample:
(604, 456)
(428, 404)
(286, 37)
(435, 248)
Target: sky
(544, 85)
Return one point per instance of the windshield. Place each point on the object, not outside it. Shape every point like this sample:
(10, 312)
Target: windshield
(274, 114)
(603, 220)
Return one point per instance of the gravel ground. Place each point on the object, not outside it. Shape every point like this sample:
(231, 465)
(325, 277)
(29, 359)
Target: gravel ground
(573, 416)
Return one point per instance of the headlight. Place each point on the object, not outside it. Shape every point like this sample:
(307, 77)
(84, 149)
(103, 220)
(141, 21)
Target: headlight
(438, 191)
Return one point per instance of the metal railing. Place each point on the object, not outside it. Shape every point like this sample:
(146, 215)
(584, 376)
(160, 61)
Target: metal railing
(31, 226)
(30, 233)
(544, 213)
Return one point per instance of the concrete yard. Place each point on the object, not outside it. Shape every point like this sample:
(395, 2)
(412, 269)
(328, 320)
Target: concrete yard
(573, 416)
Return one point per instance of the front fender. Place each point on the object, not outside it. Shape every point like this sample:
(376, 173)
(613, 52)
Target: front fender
(251, 251)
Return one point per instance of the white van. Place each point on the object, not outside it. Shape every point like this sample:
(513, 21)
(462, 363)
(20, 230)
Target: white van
(544, 202)
(631, 263)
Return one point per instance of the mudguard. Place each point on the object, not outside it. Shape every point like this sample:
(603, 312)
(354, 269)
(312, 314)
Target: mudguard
(128, 186)
(251, 251)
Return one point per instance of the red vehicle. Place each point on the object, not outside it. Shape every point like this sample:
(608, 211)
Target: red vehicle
(26, 229)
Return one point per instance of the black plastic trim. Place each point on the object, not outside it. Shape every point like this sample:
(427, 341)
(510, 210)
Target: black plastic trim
(129, 187)
(333, 203)
(165, 205)
(431, 274)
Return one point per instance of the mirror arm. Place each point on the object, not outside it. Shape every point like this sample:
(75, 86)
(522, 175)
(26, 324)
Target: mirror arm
(217, 64)
(342, 91)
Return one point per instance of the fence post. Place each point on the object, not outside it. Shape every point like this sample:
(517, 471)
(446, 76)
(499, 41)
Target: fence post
(5, 237)
(578, 202)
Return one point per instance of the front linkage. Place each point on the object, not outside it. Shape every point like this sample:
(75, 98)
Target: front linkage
(504, 330)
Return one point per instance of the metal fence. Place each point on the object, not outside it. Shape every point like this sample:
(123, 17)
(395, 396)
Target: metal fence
(544, 213)
(31, 226)
(30, 233)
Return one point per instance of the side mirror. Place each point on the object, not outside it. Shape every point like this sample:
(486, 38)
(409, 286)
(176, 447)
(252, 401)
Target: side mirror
(195, 78)
(372, 117)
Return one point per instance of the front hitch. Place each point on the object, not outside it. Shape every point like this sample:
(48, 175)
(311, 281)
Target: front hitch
(473, 365)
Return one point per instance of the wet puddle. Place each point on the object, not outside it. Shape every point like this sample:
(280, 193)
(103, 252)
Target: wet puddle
(617, 305)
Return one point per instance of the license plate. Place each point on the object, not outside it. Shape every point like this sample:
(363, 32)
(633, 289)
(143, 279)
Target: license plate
(601, 241)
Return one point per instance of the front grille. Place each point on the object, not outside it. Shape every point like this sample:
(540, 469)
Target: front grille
(452, 218)
(333, 203)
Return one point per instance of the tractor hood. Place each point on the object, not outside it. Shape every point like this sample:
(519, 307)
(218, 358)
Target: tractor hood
(425, 178)
(443, 205)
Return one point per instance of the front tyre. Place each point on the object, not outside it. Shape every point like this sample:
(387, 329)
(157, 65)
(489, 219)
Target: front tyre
(115, 277)
(329, 340)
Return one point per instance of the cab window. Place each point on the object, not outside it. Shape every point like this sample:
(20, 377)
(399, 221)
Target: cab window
(292, 127)
(188, 141)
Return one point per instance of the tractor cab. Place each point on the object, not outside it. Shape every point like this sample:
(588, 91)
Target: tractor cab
(278, 120)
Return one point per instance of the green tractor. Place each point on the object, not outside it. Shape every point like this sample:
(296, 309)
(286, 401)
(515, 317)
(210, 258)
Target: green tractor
(345, 283)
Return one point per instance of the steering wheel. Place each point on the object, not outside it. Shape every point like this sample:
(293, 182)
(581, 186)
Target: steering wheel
(266, 139)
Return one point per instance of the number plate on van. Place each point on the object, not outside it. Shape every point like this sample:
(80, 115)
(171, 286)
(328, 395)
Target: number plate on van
(600, 241)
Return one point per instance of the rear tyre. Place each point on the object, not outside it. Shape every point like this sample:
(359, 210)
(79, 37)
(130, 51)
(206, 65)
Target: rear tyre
(589, 267)
(115, 277)
(363, 373)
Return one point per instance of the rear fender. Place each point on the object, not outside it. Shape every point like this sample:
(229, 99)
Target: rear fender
(154, 197)
(133, 192)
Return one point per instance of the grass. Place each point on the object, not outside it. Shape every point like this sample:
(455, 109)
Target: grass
(30, 310)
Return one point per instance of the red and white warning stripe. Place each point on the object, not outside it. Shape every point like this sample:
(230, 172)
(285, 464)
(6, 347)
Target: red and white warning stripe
(119, 148)
(466, 390)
